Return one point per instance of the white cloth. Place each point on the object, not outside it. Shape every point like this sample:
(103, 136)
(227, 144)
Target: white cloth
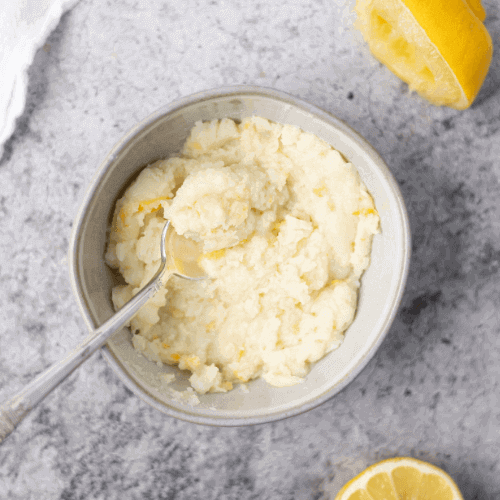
(24, 27)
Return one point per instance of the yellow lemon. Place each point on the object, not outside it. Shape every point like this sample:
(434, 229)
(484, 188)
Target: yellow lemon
(401, 479)
(439, 47)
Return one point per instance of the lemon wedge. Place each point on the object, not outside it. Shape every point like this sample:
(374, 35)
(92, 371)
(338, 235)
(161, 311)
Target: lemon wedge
(440, 48)
(401, 479)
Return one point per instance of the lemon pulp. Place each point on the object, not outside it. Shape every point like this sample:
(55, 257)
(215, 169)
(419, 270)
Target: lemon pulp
(401, 479)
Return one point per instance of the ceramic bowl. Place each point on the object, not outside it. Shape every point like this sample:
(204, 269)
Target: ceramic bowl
(162, 135)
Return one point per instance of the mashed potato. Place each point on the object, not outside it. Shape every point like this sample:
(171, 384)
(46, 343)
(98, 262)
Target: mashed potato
(286, 226)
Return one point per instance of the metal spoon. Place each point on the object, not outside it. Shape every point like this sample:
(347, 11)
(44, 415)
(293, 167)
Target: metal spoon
(178, 256)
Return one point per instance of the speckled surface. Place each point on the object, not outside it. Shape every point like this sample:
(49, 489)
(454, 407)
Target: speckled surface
(431, 391)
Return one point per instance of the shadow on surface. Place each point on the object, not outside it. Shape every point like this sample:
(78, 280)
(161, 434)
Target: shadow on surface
(443, 214)
(491, 84)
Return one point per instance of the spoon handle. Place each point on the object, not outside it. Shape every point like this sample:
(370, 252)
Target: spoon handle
(16, 408)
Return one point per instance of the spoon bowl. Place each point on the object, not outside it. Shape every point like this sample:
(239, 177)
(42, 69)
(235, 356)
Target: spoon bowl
(185, 254)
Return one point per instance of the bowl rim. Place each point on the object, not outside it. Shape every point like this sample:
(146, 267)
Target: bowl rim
(234, 91)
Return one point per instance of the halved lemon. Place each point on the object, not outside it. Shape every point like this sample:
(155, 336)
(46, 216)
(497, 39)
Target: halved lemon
(401, 479)
(439, 47)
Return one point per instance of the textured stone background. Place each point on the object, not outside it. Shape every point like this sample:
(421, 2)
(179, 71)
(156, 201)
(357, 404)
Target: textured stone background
(431, 391)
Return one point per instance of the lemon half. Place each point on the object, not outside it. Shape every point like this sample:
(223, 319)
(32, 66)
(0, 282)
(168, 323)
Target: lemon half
(439, 47)
(401, 479)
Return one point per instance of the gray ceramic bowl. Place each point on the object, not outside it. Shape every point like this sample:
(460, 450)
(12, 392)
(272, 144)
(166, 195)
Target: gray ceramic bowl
(161, 135)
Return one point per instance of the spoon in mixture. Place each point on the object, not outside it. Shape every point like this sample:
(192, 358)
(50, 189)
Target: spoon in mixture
(179, 256)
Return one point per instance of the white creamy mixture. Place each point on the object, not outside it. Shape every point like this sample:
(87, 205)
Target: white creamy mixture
(286, 226)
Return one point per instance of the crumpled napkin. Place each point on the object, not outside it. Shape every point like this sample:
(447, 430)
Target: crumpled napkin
(24, 27)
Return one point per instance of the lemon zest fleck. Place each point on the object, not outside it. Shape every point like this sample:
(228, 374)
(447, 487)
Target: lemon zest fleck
(365, 212)
(215, 255)
(320, 191)
(152, 200)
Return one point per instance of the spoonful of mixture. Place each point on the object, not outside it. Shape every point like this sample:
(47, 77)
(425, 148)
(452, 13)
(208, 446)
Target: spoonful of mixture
(179, 256)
